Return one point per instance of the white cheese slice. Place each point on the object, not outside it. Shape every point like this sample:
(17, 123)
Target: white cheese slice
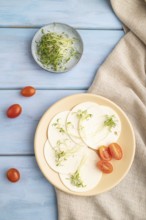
(72, 122)
(94, 132)
(68, 165)
(57, 134)
(89, 173)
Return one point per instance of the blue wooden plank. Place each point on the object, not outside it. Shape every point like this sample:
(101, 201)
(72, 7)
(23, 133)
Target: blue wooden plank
(18, 67)
(16, 135)
(78, 13)
(33, 197)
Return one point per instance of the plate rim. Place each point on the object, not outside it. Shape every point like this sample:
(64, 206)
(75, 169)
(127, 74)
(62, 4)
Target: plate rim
(33, 43)
(132, 156)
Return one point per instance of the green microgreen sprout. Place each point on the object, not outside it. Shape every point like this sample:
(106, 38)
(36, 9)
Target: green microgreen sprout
(75, 178)
(58, 126)
(62, 155)
(110, 121)
(69, 124)
(56, 50)
(84, 115)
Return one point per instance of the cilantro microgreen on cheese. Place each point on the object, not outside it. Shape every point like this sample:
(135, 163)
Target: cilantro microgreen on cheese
(110, 121)
(62, 155)
(75, 178)
(69, 124)
(58, 126)
(84, 115)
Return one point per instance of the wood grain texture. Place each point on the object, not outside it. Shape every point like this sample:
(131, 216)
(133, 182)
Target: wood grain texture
(78, 13)
(16, 135)
(32, 198)
(18, 67)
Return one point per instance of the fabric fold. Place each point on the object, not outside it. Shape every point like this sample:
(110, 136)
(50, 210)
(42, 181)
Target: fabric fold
(132, 13)
(122, 79)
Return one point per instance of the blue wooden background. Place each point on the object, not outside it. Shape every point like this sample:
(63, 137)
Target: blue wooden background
(33, 197)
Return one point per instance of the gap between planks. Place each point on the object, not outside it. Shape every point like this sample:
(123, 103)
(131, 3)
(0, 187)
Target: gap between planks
(17, 155)
(78, 28)
(45, 88)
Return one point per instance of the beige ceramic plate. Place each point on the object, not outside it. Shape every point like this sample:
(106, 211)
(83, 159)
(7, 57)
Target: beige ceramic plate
(126, 140)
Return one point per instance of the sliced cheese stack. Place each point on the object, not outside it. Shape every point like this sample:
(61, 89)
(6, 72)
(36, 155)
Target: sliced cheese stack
(71, 135)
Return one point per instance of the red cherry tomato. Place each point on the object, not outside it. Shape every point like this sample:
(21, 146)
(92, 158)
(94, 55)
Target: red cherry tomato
(105, 166)
(13, 175)
(14, 111)
(116, 151)
(104, 154)
(28, 91)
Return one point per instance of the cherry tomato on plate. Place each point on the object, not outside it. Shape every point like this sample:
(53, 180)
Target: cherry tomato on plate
(105, 166)
(28, 91)
(13, 175)
(104, 154)
(116, 151)
(14, 111)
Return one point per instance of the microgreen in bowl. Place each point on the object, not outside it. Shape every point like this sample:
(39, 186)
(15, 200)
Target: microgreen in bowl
(55, 50)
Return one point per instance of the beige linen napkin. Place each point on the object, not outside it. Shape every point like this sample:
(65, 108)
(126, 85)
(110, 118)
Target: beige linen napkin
(121, 78)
